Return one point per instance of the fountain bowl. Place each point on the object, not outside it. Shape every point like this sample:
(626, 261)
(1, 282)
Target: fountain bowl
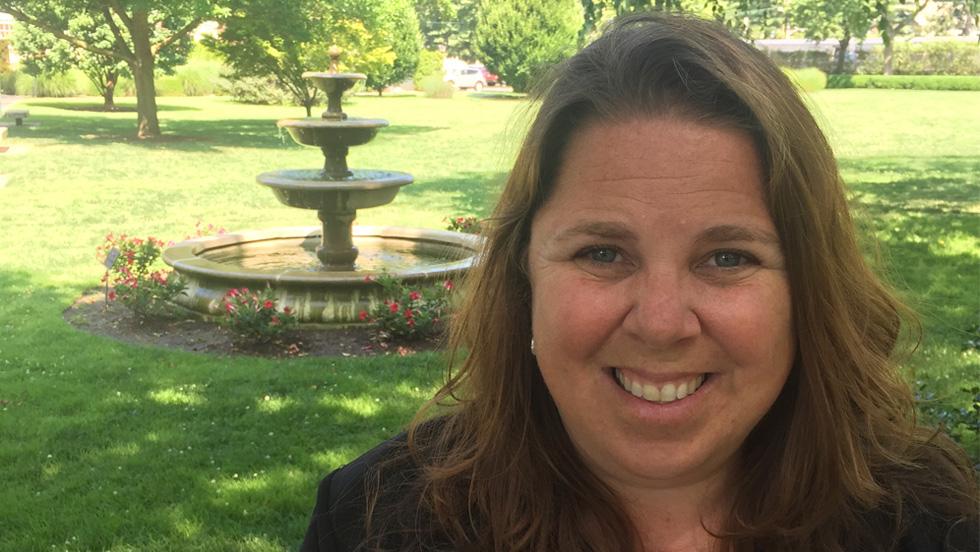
(319, 132)
(307, 189)
(285, 258)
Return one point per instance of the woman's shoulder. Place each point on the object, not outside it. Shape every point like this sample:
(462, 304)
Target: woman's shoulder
(339, 517)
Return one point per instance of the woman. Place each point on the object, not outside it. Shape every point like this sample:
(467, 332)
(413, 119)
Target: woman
(672, 339)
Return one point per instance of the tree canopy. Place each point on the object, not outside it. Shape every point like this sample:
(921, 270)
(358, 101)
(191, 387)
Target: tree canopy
(518, 39)
(141, 32)
(284, 39)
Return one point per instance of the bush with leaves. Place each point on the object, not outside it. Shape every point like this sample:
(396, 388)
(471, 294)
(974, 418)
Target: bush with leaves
(410, 312)
(466, 225)
(256, 318)
(136, 277)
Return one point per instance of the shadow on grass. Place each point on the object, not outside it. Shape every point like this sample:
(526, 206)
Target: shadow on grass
(470, 192)
(96, 106)
(928, 185)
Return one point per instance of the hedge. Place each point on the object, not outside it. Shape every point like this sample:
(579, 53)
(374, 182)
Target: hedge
(908, 82)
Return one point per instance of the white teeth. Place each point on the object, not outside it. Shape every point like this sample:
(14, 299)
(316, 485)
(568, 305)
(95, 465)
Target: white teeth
(651, 393)
(666, 394)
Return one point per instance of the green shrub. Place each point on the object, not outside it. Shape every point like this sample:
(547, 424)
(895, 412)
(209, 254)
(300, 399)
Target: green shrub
(168, 85)
(430, 63)
(51, 85)
(809, 79)
(199, 77)
(908, 82)
(255, 90)
(435, 87)
(940, 57)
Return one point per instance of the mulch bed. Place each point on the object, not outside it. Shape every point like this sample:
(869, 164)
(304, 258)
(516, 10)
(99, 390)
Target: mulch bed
(90, 313)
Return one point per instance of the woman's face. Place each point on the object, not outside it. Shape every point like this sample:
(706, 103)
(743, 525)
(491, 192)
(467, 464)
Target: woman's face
(661, 308)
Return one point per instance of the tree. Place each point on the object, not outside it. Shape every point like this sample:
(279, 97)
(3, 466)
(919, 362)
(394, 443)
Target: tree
(4, 56)
(517, 38)
(406, 44)
(892, 20)
(41, 53)
(751, 18)
(284, 39)
(141, 32)
(448, 26)
(840, 19)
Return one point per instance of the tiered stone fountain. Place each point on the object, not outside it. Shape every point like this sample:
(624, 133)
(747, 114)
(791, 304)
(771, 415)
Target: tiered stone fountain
(320, 272)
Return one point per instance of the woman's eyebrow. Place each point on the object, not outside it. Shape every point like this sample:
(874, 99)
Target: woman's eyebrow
(733, 233)
(597, 229)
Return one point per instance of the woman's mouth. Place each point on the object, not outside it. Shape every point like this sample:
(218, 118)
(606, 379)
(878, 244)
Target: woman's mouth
(663, 394)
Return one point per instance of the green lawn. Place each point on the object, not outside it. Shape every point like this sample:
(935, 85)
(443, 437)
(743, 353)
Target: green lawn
(107, 446)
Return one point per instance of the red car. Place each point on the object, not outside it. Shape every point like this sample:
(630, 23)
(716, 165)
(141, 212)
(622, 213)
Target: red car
(491, 79)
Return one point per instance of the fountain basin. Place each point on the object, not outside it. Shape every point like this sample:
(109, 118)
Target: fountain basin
(286, 259)
(319, 132)
(333, 82)
(307, 189)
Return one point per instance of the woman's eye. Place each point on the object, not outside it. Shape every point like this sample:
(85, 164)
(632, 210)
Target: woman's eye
(603, 254)
(727, 259)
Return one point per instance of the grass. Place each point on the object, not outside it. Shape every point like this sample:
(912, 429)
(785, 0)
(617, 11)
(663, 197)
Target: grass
(112, 447)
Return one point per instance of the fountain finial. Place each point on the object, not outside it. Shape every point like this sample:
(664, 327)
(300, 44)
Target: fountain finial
(334, 53)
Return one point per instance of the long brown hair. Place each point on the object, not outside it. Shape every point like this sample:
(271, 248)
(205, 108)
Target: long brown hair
(837, 464)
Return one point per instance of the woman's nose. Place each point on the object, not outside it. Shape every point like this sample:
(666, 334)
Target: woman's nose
(662, 309)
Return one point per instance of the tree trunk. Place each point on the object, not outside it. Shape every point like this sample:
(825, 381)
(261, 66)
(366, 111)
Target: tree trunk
(108, 93)
(886, 69)
(147, 125)
(842, 52)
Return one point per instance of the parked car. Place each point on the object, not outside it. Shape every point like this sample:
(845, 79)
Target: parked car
(466, 78)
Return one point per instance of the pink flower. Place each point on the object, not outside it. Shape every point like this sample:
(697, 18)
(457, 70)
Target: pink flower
(411, 322)
(232, 292)
(367, 278)
(268, 304)
(448, 285)
(275, 319)
(229, 307)
(415, 295)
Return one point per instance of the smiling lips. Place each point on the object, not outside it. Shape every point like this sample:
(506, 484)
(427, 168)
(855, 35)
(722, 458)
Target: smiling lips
(670, 392)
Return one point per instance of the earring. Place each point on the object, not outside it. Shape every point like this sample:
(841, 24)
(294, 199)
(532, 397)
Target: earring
(533, 352)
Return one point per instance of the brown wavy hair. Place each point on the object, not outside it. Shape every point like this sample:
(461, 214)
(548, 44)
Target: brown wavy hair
(838, 463)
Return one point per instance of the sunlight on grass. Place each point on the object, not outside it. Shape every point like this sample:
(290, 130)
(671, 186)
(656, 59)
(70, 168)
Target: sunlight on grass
(177, 396)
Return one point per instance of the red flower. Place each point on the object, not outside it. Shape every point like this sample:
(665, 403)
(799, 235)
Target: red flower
(232, 292)
(394, 307)
(448, 285)
(229, 307)
(367, 278)
(411, 323)
(112, 296)
(287, 310)
(408, 313)
(275, 319)
(363, 315)
(268, 304)
(435, 320)
(415, 295)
